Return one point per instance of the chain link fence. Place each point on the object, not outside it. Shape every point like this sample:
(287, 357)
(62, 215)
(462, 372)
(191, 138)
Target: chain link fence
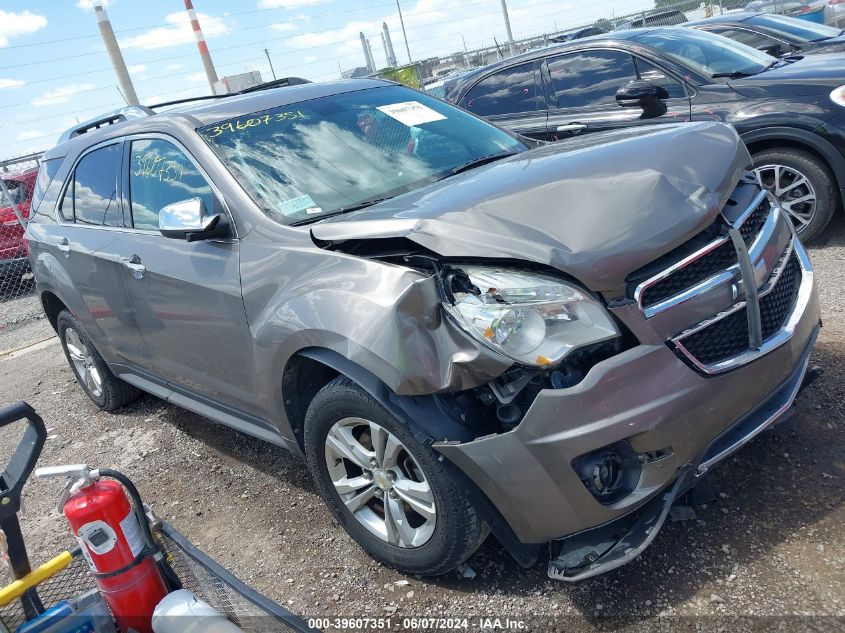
(17, 181)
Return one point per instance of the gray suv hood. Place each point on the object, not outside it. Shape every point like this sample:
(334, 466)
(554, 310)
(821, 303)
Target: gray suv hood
(596, 207)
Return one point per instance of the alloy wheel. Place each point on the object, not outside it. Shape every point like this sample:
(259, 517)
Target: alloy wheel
(794, 192)
(380, 482)
(83, 362)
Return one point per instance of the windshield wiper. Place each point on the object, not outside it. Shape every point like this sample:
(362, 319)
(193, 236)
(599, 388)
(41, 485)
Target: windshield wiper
(342, 210)
(478, 162)
(733, 75)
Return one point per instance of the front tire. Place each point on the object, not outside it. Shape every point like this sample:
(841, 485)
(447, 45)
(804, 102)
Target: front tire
(802, 184)
(387, 489)
(105, 389)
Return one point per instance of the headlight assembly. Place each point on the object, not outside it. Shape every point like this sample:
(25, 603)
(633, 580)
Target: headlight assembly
(530, 317)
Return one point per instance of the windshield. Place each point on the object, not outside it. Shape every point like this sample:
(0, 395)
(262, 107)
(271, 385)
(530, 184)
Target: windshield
(304, 161)
(707, 54)
(803, 30)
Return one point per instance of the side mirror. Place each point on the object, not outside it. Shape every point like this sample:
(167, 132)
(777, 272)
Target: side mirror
(188, 220)
(640, 94)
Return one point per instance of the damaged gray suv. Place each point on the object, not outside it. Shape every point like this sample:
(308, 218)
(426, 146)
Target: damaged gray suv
(462, 334)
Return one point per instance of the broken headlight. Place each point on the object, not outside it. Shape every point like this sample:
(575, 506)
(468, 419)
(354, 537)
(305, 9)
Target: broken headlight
(533, 318)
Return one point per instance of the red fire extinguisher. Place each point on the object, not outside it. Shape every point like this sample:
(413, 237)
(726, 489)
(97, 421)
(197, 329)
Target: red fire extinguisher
(115, 539)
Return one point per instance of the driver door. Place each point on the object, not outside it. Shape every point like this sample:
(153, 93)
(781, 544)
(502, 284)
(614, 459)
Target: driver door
(581, 90)
(186, 296)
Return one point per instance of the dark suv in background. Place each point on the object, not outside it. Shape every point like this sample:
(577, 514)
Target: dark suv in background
(791, 115)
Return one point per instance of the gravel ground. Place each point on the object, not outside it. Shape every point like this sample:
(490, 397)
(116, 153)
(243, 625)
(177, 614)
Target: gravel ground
(768, 554)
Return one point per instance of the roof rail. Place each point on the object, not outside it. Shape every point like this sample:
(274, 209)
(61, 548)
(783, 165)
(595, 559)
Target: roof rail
(109, 118)
(267, 85)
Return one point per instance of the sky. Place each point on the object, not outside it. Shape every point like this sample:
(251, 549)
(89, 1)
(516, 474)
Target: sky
(54, 69)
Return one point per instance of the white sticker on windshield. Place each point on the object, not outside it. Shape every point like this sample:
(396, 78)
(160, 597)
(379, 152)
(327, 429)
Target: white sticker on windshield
(411, 113)
(301, 203)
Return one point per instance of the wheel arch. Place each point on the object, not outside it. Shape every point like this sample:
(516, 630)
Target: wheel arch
(766, 138)
(420, 413)
(52, 306)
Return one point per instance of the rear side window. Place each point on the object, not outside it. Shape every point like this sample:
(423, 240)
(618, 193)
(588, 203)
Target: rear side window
(160, 174)
(590, 78)
(46, 173)
(91, 197)
(509, 91)
(749, 38)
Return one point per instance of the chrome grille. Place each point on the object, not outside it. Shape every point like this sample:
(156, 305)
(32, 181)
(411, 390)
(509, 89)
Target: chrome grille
(730, 293)
(728, 337)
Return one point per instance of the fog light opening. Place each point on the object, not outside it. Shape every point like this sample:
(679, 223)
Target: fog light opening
(609, 473)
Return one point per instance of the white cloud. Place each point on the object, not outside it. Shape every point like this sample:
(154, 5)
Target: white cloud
(23, 23)
(11, 83)
(173, 67)
(179, 33)
(136, 68)
(287, 4)
(283, 26)
(196, 77)
(88, 5)
(60, 94)
(310, 59)
(29, 134)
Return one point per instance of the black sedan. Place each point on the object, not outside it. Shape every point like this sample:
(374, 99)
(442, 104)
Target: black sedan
(791, 114)
(775, 34)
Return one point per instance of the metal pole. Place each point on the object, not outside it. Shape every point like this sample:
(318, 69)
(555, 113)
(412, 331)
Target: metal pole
(721, 8)
(115, 55)
(507, 25)
(390, 52)
(404, 34)
(202, 46)
(270, 61)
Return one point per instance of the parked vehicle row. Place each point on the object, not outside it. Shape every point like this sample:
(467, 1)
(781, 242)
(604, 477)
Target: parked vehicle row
(14, 260)
(789, 112)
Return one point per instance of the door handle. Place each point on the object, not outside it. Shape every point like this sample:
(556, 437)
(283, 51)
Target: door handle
(572, 127)
(63, 245)
(134, 265)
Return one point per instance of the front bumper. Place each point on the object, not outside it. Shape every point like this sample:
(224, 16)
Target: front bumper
(577, 558)
(649, 397)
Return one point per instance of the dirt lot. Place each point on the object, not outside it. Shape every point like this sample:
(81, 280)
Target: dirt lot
(769, 554)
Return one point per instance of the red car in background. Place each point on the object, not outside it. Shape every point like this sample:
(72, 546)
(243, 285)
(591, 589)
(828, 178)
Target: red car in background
(14, 254)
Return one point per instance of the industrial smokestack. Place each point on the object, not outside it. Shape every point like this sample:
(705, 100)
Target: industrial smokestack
(372, 59)
(116, 56)
(210, 73)
(368, 58)
(391, 56)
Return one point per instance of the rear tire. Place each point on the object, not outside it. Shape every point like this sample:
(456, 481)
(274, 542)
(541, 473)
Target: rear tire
(434, 541)
(793, 175)
(105, 389)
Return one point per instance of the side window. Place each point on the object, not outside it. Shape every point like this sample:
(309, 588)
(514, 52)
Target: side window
(754, 40)
(655, 76)
(590, 78)
(46, 173)
(510, 91)
(161, 174)
(91, 197)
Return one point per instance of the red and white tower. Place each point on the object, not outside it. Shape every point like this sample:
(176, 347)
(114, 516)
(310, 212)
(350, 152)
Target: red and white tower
(202, 46)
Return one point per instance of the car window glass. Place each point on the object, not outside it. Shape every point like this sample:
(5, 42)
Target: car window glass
(509, 91)
(590, 78)
(46, 173)
(161, 174)
(95, 189)
(17, 190)
(654, 75)
(754, 40)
